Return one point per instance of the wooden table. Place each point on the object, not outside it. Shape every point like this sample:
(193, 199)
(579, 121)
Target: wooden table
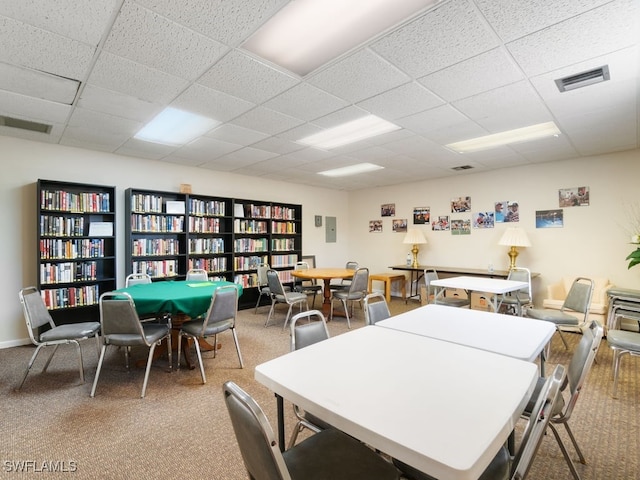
(388, 279)
(325, 274)
(445, 409)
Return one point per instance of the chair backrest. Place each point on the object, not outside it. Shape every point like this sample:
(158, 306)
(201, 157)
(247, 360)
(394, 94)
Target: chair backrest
(119, 320)
(262, 274)
(300, 281)
(580, 364)
(310, 259)
(309, 333)
(224, 306)
(430, 275)
(258, 446)
(197, 275)
(521, 274)
(274, 283)
(538, 422)
(35, 312)
(137, 278)
(352, 266)
(360, 281)
(375, 308)
(579, 296)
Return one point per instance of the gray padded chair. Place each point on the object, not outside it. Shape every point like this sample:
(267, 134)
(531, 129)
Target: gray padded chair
(302, 336)
(280, 295)
(355, 293)
(308, 287)
(515, 301)
(36, 315)
(197, 275)
(329, 454)
(263, 287)
(577, 373)
(375, 308)
(503, 466)
(136, 279)
(578, 300)
(121, 327)
(221, 316)
(430, 275)
(622, 342)
(344, 283)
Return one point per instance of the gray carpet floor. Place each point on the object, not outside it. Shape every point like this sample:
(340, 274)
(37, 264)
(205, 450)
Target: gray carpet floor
(181, 429)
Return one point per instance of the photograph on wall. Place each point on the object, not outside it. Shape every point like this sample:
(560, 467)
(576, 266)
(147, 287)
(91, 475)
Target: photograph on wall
(460, 227)
(573, 197)
(388, 210)
(512, 212)
(441, 225)
(460, 204)
(550, 218)
(399, 225)
(483, 220)
(375, 226)
(500, 211)
(421, 215)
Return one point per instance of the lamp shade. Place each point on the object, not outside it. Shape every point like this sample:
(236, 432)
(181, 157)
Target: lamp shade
(414, 236)
(515, 237)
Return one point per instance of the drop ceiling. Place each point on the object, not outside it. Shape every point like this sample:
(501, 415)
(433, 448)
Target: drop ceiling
(98, 70)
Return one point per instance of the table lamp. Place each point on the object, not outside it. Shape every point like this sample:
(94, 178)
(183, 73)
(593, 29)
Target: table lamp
(414, 237)
(514, 237)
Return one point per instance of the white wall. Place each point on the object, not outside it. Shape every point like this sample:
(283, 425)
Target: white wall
(593, 241)
(24, 162)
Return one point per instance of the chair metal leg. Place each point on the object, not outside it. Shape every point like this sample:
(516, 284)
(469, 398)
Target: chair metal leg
(80, 364)
(100, 360)
(575, 444)
(273, 304)
(46, 365)
(286, 319)
(146, 373)
(566, 345)
(204, 378)
(572, 467)
(33, 359)
(179, 348)
(235, 339)
(346, 312)
(616, 370)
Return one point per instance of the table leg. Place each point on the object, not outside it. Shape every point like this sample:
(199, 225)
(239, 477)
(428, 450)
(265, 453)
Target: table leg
(326, 302)
(280, 404)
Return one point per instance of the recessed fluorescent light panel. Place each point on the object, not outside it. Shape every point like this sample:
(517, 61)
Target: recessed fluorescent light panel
(518, 135)
(175, 127)
(351, 170)
(350, 132)
(308, 33)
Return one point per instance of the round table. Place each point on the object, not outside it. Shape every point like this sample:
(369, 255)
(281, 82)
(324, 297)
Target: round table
(325, 274)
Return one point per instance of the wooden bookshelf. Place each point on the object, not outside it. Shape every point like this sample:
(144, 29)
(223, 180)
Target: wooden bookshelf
(76, 247)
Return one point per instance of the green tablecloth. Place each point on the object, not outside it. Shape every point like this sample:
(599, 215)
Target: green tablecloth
(190, 298)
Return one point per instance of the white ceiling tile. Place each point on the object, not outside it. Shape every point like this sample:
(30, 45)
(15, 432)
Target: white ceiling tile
(513, 106)
(446, 35)
(358, 76)
(33, 109)
(37, 84)
(278, 145)
(103, 122)
(82, 20)
(118, 104)
(512, 19)
(478, 74)
(341, 116)
(47, 52)
(148, 38)
(124, 76)
(433, 120)
(149, 150)
(235, 134)
(101, 140)
(401, 101)
(267, 121)
(206, 149)
(244, 77)
(305, 101)
(238, 159)
(211, 103)
(228, 21)
(603, 30)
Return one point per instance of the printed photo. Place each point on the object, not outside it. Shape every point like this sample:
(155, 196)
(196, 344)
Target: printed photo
(549, 218)
(460, 204)
(399, 225)
(460, 227)
(573, 197)
(483, 220)
(441, 225)
(512, 213)
(501, 210)
(388, 210)
(421, 216)
(375, 226)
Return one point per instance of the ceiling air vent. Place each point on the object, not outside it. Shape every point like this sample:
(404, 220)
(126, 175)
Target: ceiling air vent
(583, 79)
(24, 124)
(462, 167)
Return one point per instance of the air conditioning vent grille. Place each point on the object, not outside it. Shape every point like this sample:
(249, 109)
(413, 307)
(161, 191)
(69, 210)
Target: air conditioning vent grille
(583, 79)
(24, 124)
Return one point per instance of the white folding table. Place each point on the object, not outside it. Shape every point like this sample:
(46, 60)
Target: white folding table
(444, 408)
(497, 286)
(517, 337)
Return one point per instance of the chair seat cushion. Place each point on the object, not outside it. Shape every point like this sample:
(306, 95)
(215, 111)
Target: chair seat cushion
(557, 407)
(291, 297)
(498, 468)
(194, 327)
(594, 307)
(452, 301)
(624, 340)
(346, 295)
(555, 316)
(70, 331)
(349, 459)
